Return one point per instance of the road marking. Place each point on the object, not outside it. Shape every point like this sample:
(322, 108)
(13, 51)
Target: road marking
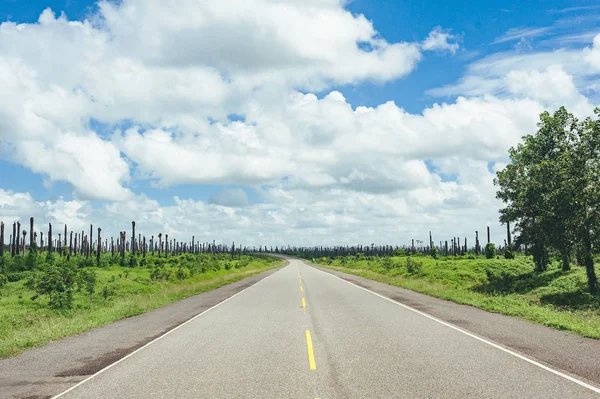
(485, 341)
(300, 280)
(156, 339)
(303, 302)
(301, 289)
(311, 356)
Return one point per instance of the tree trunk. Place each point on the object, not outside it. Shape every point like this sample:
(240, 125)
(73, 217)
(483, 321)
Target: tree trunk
(566, 264)
(99, 247)
(30, 233)
(49, 237)
(1, 239)
(589, 264)
(133, 238)
(18, 237)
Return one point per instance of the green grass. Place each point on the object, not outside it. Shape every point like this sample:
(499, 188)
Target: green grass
(553, 298)
(27, 323)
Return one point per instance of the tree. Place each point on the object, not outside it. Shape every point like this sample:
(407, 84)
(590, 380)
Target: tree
(58, 281)
(551, 190)
(89, 279)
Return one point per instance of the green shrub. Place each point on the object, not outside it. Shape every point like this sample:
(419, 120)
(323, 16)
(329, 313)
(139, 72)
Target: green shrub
(413, 267)
(387, 263)
(400, 252)
(181, 274)
(508, 252)
(490, 250)
(57, 282)
(434, 252)
(89, 279)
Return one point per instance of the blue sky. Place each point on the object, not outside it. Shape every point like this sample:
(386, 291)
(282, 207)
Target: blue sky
(538, 33)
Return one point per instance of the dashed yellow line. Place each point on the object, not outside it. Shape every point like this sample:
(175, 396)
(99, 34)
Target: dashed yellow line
(311, 356)
(303, 303)
(301, 289)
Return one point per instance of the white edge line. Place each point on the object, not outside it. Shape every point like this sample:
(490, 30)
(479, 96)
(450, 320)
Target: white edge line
(540, 365)
(156, 339)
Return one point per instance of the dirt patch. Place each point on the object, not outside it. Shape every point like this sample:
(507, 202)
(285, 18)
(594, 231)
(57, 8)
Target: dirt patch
(93, 365)
(411, 303)
(459, 322)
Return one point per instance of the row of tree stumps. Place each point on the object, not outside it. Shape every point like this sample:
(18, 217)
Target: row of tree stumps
(70, 243)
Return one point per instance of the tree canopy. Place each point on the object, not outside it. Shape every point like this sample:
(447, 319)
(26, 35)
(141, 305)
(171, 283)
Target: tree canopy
(551, 190)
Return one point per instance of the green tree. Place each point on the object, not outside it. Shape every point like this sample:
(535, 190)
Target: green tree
(89, 278)
(551, 190)
(490, 250)
(58, 281)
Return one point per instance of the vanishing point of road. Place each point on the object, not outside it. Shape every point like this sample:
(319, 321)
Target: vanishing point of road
(304, 333)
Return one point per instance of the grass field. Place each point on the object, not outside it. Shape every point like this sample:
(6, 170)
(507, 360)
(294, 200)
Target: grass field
(553, 298)
(27, 323)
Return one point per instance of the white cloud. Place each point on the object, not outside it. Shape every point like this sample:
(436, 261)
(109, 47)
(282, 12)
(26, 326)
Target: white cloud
(521, 33)
(438, 40)
(326, 172)
(592, 54)
(232, 197)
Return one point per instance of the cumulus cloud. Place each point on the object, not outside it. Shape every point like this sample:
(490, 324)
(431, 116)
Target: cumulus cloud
(326, 172)
(438, 40)
(592, 54)
(232, 197)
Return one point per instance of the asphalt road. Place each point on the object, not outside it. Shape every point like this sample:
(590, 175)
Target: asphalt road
(304, 333)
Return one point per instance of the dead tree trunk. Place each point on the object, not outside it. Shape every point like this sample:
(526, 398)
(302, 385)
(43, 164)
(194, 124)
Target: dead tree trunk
(488, 234)
(123, 245)
(30, 233)
(24, 235)
(508, 237)
(70, 246)
(1, 239)
(12, 240)
(99, 247)
(50, 237)
(90, 242)
(18, 237)
(133, 237)
(159, 244)
(166, 245)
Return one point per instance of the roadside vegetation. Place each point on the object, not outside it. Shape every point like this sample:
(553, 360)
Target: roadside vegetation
(46, 296)
(554, 297)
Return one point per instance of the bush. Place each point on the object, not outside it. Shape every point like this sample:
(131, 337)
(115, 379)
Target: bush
(89, 278)
(181, 274)
(434, 252)
(400, 252)
(413, 267)
(387, 263)
(490, 250)
(56, 281)
(508, 252)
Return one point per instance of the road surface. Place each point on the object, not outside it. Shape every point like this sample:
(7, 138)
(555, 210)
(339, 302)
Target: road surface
(304, 333)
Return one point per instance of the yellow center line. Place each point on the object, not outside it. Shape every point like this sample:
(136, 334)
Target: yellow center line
(303, 303)
(301, 289)
(311, 355)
